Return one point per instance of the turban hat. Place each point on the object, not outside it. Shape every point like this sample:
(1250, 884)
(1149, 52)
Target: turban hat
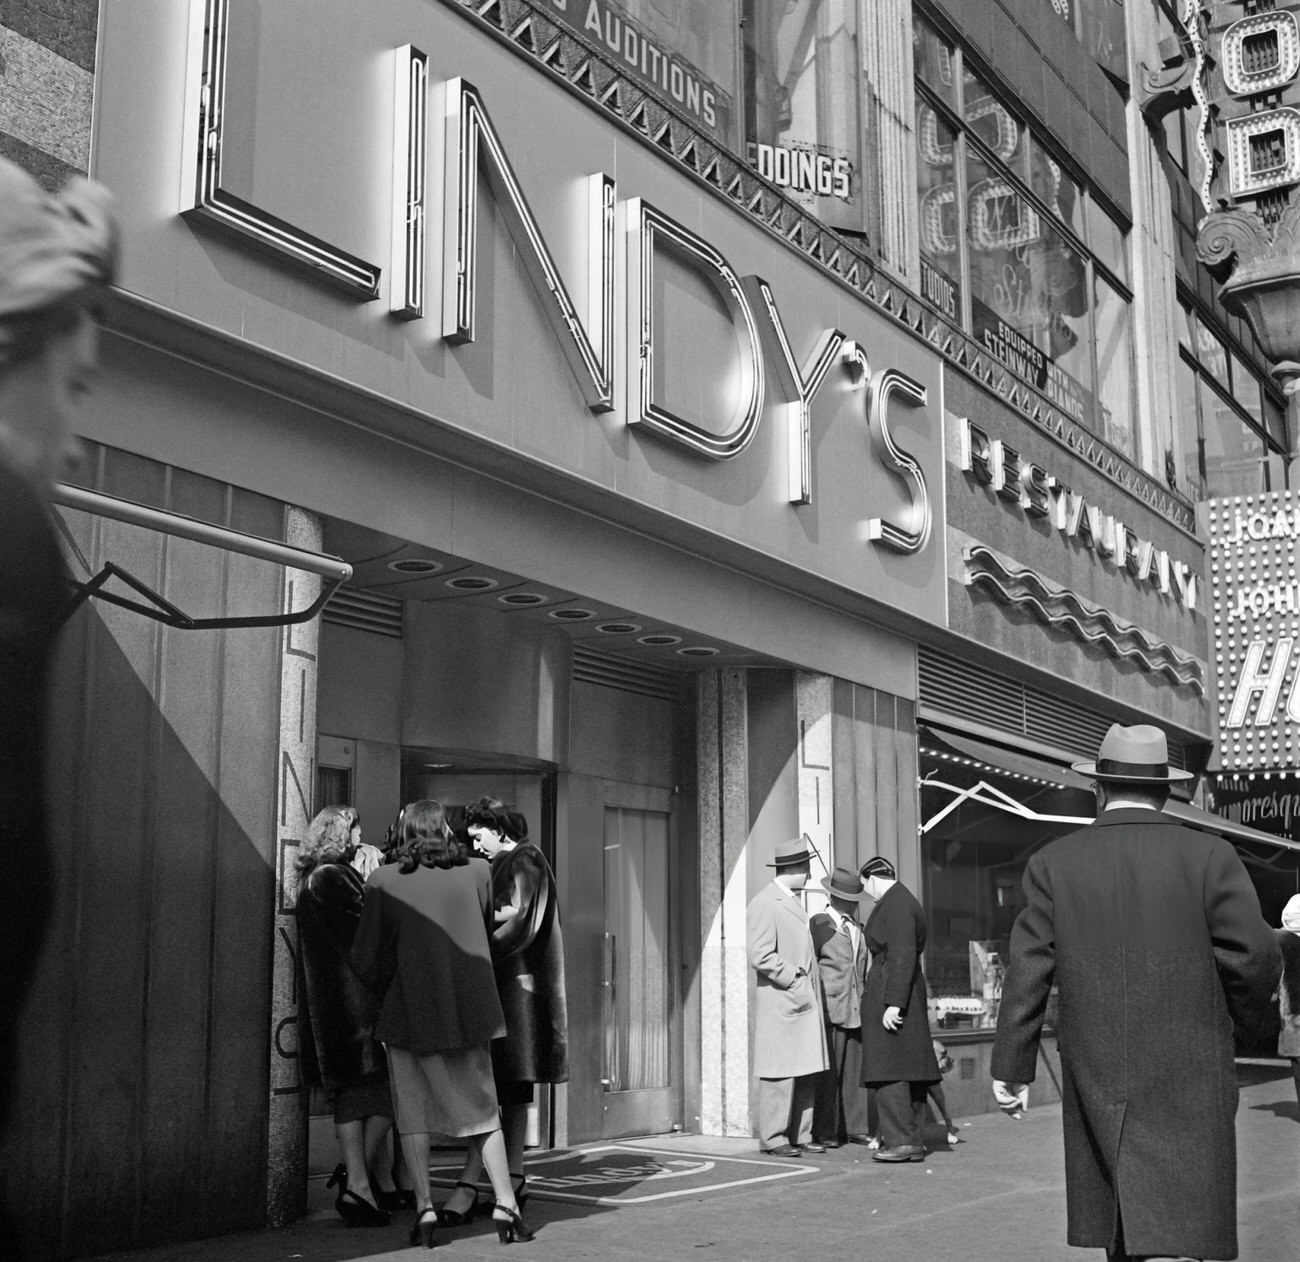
(53, 247)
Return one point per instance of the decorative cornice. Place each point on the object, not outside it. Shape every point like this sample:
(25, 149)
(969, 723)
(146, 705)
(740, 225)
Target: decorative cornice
(1167, 87)
(1055, 606)
(1262, 251)
(588, 72)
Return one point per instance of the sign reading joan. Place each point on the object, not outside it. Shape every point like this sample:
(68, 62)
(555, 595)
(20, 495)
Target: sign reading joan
(1256, 597)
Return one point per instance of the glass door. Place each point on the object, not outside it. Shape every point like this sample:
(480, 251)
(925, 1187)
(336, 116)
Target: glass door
(638, 974)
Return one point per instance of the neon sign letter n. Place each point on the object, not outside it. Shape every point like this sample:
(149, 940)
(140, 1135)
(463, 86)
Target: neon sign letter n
(471, 140)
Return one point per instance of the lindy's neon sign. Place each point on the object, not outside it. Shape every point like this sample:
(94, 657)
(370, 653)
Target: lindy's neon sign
(472, 146)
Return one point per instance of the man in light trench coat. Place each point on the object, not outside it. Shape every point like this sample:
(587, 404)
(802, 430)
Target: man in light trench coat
(789, 1036)
(1152, 932)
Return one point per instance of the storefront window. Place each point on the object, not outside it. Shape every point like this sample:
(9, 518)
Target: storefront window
(1115, 365)
(938, 211)
(684, 49)
(802, 126)
(981, 823)
(1044, 264)
(1235, 430)
(1099, 27)
(935, 62)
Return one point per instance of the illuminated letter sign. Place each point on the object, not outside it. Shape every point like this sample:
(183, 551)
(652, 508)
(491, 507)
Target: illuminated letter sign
(798, 387)
(471, 136)
(649, 230)
(410, 139)
(911, 534)
(202, 196)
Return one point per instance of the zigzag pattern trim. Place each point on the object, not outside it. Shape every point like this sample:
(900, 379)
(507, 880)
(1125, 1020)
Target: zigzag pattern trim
(588, 70)
(1060, 607)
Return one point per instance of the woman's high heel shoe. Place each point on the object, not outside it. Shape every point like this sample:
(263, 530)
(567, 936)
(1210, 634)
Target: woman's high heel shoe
(355, 1210)
(458, 1218)
(510, 1226)
(422, 1230)
(520, 1184)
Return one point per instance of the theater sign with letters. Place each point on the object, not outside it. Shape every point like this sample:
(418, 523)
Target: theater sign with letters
(1255, 594)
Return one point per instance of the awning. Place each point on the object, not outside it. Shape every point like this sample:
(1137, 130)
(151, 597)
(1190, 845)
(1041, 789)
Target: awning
(1016, 764)
(1266, 849)
(332, 571)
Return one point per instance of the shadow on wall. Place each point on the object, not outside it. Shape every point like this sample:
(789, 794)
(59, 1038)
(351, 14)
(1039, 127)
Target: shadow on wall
(139, 1095)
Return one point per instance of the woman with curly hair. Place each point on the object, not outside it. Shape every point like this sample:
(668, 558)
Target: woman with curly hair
(423, 946)
(528, 962)
(336, 1048)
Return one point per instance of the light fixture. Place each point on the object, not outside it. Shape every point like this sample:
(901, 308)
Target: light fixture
(697, 650)
(617, 628)
(472, 583)
(520, 599)
(658, 640)
(572, 615)
(415, 565)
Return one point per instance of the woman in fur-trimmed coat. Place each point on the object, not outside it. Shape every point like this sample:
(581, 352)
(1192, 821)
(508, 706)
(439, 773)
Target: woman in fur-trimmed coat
(528, 960)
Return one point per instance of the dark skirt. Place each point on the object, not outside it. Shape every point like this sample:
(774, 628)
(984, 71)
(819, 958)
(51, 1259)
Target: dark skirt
(364, 1097)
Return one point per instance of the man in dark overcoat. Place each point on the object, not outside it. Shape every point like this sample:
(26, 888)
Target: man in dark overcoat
(1151, 932)
(897, 1048)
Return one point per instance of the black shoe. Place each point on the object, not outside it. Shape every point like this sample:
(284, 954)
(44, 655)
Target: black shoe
(510, 1226)
(782, 1150)
(812, 1146)
(903, 1152)
(422, 1230)
(458, 1218)
(395, 1198)
(355, 1210)
(831, 1143)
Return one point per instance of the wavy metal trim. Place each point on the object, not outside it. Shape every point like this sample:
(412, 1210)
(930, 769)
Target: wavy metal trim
(587, 71)
(1060, 607)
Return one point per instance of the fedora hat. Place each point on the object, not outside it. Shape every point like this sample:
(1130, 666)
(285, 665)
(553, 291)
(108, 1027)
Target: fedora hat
(843, 883)
(792, 852)
(1133, 755)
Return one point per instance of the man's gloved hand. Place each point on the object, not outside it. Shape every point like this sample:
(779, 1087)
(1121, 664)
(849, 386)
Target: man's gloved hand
(1012, 1098)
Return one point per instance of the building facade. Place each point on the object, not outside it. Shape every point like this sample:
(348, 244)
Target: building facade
(729, 431)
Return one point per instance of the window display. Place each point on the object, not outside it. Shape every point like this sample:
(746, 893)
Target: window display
(980, 824)
(803, 130)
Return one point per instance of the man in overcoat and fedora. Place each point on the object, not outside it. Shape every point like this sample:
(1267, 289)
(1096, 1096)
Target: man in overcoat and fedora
(1152, 933)
(841, 1110)
(789, 1039)
(897, 1048)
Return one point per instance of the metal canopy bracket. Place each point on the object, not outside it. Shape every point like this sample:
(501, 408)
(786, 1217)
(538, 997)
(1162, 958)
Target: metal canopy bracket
(333, 571)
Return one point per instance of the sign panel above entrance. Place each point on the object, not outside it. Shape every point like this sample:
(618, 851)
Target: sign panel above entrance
(557, 292)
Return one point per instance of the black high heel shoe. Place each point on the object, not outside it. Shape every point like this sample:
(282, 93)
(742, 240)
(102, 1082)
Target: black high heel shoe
(510, 1226)
(355, 1210)
(395, 1198)
(422, 1230)
(458, 1218)
(521, 1192)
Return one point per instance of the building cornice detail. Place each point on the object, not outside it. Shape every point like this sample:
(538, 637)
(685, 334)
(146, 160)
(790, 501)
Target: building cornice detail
(585, 70)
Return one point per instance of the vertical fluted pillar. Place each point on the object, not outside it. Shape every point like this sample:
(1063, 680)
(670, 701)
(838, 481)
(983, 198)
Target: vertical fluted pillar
(889, 114)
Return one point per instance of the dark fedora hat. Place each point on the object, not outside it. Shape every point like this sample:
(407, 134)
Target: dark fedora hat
(791, 852)
(1133, 755)
(843, 883)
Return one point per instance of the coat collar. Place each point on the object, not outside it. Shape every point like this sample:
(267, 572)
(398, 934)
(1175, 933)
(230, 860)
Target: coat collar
(1128, 816)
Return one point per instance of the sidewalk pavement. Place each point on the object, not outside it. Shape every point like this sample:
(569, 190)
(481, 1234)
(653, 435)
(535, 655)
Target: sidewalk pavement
(998, 1196)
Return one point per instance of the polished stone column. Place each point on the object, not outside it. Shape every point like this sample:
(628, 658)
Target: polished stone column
(286, 1141)
(724, 969)
(813, 702)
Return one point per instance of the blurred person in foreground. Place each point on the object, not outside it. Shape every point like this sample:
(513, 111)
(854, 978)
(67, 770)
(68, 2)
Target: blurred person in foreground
(57, 256)
(1152, 933)
(1288, 941)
